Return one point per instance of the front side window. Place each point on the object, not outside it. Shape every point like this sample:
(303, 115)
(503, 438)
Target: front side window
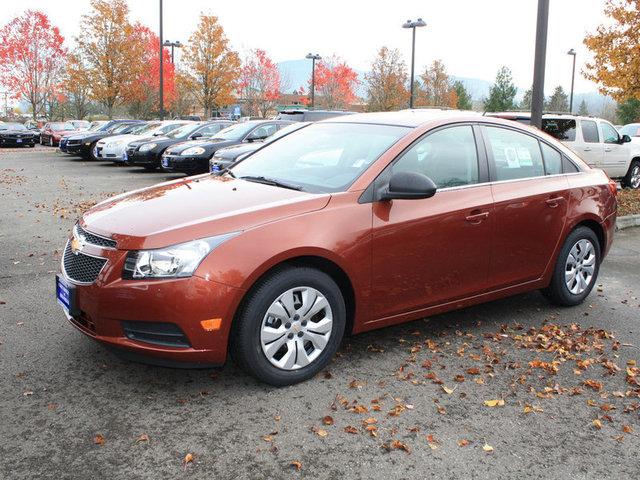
(589, 131)
(447, 156)
(609, 133)
(264, 131)
(562, 129)
(552, 159)
(323, 157)
(515, 155)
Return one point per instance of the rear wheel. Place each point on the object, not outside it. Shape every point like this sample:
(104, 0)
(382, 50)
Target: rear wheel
(632, 179)
(290, 326)
(576, 268)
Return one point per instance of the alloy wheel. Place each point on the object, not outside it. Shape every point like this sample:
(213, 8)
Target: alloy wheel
(634, 180)
(296, 328)
(580, 266)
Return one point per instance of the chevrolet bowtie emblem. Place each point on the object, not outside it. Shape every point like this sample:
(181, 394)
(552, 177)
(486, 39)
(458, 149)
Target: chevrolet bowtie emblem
(77, 244)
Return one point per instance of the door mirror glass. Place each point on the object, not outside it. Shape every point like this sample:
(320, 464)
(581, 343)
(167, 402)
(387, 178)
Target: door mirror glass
(409, 186)
(625, 139)
(196, 135)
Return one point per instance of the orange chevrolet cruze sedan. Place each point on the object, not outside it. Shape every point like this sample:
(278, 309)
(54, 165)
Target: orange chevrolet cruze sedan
(346, 225)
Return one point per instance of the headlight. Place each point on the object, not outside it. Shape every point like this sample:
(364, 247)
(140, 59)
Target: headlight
(175, 261)
(114, 144)
(148, 146)
(193, 151)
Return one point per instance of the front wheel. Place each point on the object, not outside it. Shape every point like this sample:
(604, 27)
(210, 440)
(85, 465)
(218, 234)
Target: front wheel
(632, 179)
(290, 326)
(576, 269)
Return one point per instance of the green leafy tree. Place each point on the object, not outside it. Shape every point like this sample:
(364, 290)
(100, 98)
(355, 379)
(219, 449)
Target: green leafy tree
(629, 111)
(525, 103)
(502, 93)
(464, 99)
(558, 102)
(583, 110)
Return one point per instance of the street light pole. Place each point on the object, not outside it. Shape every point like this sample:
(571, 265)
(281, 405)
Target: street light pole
(313, 57)
(572, 52)
(161, 72)
(411, 24)
(176, 44)
(537, 96)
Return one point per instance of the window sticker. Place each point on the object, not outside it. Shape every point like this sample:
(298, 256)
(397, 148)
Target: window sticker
(512, 157)
(524, 157)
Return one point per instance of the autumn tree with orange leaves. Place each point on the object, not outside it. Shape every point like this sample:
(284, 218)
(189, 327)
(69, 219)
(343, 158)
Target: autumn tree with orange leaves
(616, 51)
(387, 81)
(436, 89)
(32, 59)
(335, 83)
(109, 52)
(212, 66)
(142, 96)
(259, 83)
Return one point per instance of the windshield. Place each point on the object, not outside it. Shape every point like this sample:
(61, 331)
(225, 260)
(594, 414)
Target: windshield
(144, 128)
(323, 157)
(184, 131)
(62, 126)
(12, 126)
(80, 123)
(235, 132)
(633, 130)
(286, 131)
(122, 128)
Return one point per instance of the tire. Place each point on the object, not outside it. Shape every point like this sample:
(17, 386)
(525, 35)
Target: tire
(289, 289)
(632, 178)
(558, 290)
(91, 155)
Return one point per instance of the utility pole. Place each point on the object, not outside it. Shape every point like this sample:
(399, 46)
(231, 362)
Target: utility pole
(572, 52)
(161, 73)
(537, 97)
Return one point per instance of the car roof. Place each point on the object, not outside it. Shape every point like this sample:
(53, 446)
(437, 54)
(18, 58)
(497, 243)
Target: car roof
(403, 118)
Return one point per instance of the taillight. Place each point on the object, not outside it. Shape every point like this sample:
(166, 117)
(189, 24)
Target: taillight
(613, 186)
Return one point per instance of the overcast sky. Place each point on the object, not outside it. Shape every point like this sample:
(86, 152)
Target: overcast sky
(472, 37)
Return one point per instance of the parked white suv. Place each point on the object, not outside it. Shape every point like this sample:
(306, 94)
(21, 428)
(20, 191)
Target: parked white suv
(595, 140)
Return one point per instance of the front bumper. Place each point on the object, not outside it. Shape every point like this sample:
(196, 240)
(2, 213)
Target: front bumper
(185, 164)
(103, 310)
(17, 142)
(76, 149)
(142, 159)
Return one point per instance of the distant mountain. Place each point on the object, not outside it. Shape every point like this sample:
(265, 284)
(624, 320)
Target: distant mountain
(297, 73)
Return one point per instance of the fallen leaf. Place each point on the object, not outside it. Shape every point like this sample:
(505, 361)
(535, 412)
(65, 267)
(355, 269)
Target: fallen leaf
(296, 464)
(327, 420)
(594, 384)
(398, 445)
(142, 438)
(321, 432)
(494, 403)
(627, 429)
(463, 443)
(99, 439)
(350, 429)
(448, 390)
(597, 424)
(487, 448)
(188, 458)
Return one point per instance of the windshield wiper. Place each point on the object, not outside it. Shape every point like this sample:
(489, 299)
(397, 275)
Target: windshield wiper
(226, 171)
(271, 181)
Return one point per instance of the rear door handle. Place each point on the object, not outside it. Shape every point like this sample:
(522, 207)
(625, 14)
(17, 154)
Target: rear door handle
(476, 218)
(607, 149)
(554, 201)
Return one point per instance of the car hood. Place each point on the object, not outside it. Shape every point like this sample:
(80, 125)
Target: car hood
(208, 145)
(126, 136)
(16, 132)
(90, 136)
(235, 151)
(195, 207)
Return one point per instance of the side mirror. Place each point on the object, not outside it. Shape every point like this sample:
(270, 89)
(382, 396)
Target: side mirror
(625, 139)
(409, 186)
(196, 135)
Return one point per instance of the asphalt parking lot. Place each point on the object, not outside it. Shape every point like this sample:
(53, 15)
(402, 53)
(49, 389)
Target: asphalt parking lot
(513, 388)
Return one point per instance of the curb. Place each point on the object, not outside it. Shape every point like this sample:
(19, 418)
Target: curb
(627, 221)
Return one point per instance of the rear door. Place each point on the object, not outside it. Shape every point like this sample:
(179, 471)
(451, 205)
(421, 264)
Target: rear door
(430, 251)
(530, 205)
(592, 149)
(616, 155)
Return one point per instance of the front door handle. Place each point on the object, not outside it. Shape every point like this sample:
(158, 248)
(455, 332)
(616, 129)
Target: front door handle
(476, 218)
(587, 149)
(607, 149)
(554, 201)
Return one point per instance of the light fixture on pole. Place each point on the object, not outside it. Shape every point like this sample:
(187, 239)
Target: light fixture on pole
(413, 25)
(176, 44)
(572, 52)
(161, 72)
(313, 57)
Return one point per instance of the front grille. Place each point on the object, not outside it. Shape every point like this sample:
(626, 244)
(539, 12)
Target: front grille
(157, 333)
(80, 267)
(94, 239)
(74, 142)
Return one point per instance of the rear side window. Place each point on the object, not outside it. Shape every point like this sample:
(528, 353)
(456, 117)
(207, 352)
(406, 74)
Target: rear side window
(515, 155)
(552, 159)
(589, 131)
(562, 129)
(447, 156)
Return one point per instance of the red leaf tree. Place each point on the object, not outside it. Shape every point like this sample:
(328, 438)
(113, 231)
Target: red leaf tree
(336, 83)
(143, 93)
(32, 59)
(259, 84)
